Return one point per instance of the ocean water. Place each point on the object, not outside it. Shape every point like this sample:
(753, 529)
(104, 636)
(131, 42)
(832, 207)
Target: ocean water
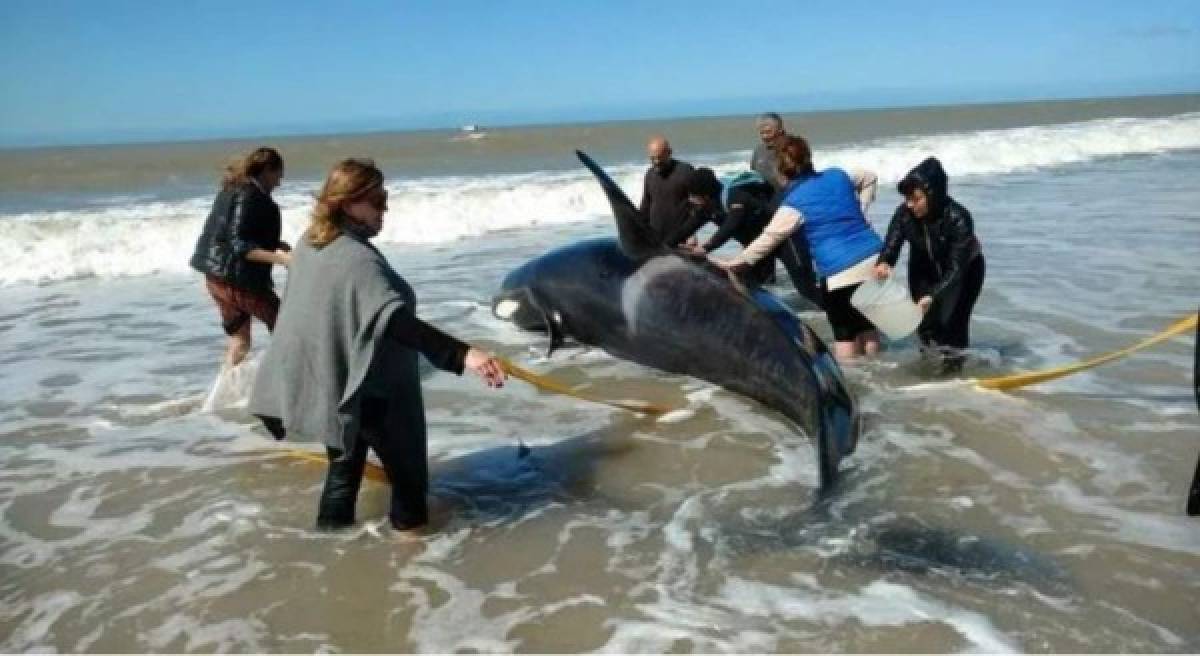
(134, 518)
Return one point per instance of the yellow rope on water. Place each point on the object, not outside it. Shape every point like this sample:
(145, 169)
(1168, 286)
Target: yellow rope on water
(548, 384)
(373, 471)
(376, 473)
(1014, 381)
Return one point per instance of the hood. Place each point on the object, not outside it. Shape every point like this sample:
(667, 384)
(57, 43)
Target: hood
(744, 178)
(930, 176)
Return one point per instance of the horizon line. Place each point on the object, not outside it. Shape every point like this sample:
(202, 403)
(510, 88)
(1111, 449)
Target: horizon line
(317, 130)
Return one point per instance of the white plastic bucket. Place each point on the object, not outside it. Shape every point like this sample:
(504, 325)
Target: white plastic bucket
(887, 304)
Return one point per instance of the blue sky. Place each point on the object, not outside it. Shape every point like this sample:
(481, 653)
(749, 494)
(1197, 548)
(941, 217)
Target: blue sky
(131, 70)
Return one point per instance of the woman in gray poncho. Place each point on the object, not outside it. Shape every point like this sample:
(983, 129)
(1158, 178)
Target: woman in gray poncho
(342, 364)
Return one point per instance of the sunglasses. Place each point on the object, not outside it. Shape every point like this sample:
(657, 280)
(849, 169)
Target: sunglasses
(377, 200)
(375, 196)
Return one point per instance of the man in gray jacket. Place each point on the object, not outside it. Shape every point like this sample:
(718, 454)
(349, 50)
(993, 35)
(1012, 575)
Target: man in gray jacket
(763, 159)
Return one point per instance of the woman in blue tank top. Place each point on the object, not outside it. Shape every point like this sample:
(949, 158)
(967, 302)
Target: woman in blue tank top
(844, 247)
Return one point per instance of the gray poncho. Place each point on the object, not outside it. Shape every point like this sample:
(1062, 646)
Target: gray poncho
(327, 350)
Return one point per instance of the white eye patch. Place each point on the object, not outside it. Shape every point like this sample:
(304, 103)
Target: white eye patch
(506, 308)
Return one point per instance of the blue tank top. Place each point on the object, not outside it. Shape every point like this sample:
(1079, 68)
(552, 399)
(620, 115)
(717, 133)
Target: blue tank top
(838, 234)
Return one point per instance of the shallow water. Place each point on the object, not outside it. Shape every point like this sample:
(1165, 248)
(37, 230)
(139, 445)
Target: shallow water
(1048, 519)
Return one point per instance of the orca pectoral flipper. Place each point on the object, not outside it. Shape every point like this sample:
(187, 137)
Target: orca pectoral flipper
(553, 323)
(554, 327)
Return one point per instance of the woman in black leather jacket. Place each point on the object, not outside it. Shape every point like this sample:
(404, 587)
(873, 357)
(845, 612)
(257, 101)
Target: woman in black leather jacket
(945, 264)
(238, 246)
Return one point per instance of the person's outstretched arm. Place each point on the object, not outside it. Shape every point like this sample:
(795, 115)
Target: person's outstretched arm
(785, 222)
(691, 223)
(734, 219)
(442, 350)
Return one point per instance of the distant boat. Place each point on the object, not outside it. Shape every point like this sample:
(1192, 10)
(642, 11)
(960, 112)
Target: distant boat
(469, 131)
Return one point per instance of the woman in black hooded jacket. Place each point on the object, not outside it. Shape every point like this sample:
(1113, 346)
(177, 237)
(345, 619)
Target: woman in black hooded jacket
(945, 264)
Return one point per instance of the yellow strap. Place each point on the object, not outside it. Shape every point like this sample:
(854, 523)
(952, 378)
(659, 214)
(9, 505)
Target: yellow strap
(1029, 378)
(548, 384)
(376, 473)
(373, 471)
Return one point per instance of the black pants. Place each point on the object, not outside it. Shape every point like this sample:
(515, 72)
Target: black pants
(404, 459)
(763, 271)
(946, 329)
(1193, 501)
(798, 262)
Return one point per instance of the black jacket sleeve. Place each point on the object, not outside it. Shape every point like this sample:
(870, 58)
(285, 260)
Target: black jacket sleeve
(647, 196)
(246, 209)
(694, 220)
(442, 350)
(733, 220)
(960, 235)
(895, 237)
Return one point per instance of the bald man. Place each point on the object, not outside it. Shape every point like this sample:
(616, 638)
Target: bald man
(664, 197)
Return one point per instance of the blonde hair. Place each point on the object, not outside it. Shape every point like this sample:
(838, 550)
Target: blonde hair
(241, 169)
(348, 179)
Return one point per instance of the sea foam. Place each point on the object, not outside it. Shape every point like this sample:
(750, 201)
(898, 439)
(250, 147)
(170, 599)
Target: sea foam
(140, 238)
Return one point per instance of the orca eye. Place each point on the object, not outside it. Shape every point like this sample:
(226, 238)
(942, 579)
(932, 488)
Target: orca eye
(506, 308)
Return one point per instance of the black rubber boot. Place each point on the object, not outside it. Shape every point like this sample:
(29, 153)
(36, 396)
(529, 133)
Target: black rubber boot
(405, 462)
(342, 481)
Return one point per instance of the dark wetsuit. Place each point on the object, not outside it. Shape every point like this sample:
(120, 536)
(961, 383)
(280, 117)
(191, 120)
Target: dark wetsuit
(747, 211)
(749, 207)
(743, 221)
(945, 263)
(664, 201)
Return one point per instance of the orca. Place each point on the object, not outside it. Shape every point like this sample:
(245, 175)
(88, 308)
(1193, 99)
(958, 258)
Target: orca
(652, 305)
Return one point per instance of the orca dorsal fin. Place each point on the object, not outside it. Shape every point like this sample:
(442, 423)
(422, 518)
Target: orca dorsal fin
(634, 234)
